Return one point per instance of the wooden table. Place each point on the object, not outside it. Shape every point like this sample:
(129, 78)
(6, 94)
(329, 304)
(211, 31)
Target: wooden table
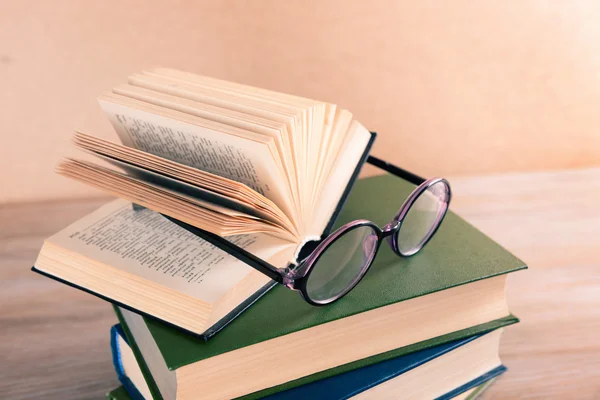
(54, 341)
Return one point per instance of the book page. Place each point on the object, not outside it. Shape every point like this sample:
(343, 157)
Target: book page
(242, 159)
(203, 153)
(277, 130)
(144, 243)
(342, 171)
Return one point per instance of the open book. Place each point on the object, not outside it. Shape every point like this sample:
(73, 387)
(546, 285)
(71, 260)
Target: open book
(244, 163)
(224, 157)
(143, 261)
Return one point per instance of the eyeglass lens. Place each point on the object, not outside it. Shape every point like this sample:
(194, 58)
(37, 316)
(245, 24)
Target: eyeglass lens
(341, 264)
(423, 218)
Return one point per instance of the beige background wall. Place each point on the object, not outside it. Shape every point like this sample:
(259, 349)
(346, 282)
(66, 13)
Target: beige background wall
(458, 87)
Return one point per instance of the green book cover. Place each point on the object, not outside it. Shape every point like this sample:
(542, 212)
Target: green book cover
(457, 254)
(489, 326)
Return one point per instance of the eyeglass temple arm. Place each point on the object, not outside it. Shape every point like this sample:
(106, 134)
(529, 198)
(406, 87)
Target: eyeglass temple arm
(392, 169)
(236, 251)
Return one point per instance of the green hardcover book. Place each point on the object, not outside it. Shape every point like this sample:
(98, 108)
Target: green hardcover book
(453, 288)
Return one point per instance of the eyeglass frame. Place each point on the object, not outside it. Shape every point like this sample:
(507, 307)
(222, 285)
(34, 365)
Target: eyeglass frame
(295, 276)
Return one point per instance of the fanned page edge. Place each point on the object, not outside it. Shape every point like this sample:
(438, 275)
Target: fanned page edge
(134, 158)
(115, 106)
(164, 97)
(350, 185)
(213, 91)
(344, 177)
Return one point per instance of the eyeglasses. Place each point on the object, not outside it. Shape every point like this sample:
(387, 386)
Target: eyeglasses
(341, 260)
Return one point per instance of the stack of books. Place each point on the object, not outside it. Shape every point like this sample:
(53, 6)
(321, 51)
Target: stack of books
(205, 163)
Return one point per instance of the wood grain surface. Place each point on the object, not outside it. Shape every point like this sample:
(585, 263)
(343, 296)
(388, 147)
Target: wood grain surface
(54, 341)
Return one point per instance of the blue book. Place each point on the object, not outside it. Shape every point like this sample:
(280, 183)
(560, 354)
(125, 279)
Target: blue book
(454, 370)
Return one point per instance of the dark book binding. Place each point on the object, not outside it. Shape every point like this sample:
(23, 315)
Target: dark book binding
(218, 242)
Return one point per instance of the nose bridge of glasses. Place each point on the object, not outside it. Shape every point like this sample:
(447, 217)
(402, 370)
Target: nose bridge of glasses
(390, 228)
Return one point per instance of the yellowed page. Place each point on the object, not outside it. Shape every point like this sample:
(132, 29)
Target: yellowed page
(341, 173)
(263, 108)
(167, 202)
(323, 150)
(314, 112)
(147, 245)
(275, 130)
(267, 105)
(186, 90)
(246, 160)
(334, 142)
(235, 191)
